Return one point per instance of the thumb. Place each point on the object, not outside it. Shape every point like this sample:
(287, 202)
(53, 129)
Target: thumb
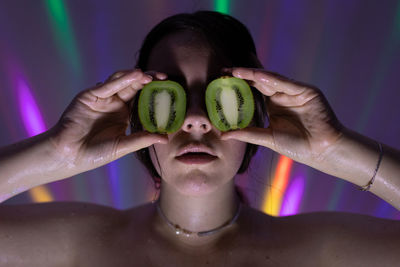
(137, 141)
(253, 135)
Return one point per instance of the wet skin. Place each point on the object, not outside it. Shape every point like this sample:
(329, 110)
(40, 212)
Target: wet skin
(197, 196)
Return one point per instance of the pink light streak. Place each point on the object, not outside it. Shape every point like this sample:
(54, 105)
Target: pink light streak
(293, 196)
(29, 110)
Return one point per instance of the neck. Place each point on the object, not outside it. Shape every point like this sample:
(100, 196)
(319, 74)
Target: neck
(198, 213)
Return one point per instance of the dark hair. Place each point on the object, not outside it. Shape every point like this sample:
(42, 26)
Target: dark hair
(226, 36)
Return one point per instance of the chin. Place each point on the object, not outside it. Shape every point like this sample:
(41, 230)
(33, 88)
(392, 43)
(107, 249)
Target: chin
(197, 184)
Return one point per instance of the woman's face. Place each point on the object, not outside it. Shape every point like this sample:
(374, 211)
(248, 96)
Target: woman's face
(187, 59)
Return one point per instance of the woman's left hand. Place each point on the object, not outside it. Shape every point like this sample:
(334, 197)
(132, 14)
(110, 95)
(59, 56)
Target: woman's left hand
(302, 125)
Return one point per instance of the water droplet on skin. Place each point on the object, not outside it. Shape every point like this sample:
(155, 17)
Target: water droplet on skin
(98, 159)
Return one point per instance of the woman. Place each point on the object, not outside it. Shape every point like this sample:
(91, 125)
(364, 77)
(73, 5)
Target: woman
(198, 219)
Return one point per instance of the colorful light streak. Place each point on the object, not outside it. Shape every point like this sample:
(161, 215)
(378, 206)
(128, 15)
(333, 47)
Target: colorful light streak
(66, 42)
(40, 194)
(396, 31)
(333, 203)
(383, 67)
(273, 195)
(113, 176)
(322, 71)
(102, 42)
(64, 36)
(33, 123)
(293, 197)
(222, 6)
(29, 110)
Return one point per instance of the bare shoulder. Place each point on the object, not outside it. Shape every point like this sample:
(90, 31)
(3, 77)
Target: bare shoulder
(53, 208)
(349, 239)
(324, 239)
(55, 214)
(48, 234)
(344, 223)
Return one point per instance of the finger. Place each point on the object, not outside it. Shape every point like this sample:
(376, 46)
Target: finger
(263, 88)
(128, 93)
(99, 104)
(294, 101)
(157, 75)
(117, 75)
(252, 135)
(139, 140)
(274, 81)
(135, 78)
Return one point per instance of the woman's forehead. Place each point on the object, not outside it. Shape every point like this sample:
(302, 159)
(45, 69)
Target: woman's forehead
(184, 53)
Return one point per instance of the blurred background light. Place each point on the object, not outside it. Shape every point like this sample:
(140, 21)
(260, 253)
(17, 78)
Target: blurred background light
(293, 196)
(222, 6)
(274, 194)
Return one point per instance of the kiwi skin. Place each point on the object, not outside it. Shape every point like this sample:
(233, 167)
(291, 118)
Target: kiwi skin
(245, 102)
(177, 109)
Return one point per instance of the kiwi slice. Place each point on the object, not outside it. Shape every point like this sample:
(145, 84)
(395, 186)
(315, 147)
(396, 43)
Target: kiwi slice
(162, 106)
(230, 103)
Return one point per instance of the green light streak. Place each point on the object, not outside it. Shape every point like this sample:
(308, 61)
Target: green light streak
(67, 47)
(222, 6)
(63, 32)
(396, 32)
(383, 68)
(336, 196)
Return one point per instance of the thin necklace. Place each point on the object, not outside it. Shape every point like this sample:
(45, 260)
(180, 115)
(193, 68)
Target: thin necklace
(179, 230)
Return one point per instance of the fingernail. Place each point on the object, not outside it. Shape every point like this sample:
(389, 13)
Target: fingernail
(237, 74)
(162, 76)
(147, 79)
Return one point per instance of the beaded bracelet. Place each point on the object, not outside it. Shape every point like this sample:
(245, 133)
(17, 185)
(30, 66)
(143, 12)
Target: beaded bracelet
(368, 185)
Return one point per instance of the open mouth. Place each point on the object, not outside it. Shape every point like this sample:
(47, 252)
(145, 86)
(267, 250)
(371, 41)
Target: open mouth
(196, 158)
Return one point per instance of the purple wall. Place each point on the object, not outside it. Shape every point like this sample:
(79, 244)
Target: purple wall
(349, 49)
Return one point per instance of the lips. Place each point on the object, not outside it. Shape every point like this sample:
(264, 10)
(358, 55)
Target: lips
(196, 158)
(196, 154)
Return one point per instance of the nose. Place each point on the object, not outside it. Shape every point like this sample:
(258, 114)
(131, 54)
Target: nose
(196, 120)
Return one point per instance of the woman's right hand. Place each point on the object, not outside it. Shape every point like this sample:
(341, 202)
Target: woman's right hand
(92, 130)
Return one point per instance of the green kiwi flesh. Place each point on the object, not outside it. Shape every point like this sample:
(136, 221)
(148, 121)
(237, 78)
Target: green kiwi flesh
(230, 103)
(162, 106)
